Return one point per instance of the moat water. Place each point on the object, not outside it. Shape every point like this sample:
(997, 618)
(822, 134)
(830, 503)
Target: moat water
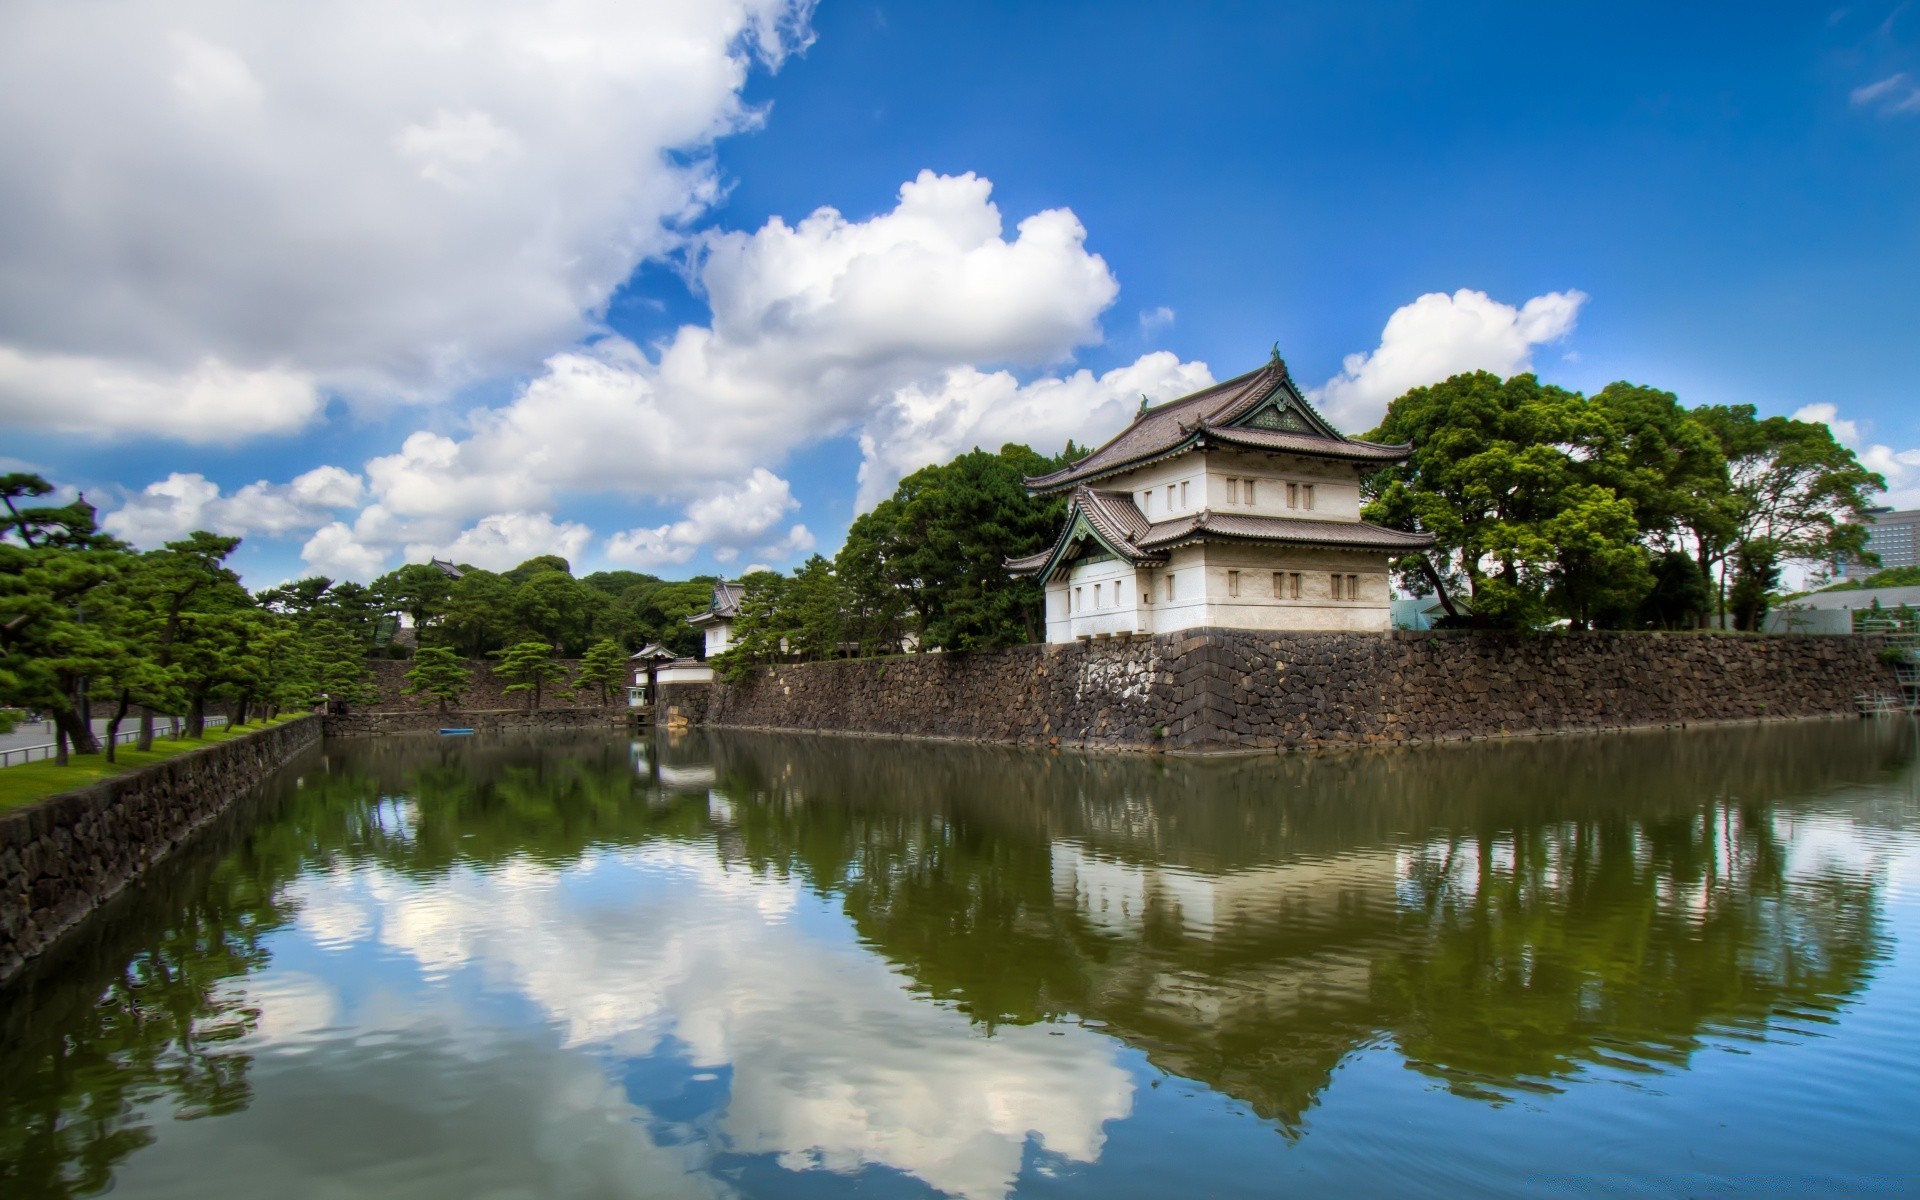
(1661, 964)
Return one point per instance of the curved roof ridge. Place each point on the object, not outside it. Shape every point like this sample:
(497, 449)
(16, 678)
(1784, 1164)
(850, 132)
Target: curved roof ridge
(1160, 431)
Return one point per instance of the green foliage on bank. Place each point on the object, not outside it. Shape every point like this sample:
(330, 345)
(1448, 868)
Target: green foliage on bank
(926, 568)
(1623, 510)
(1893, 577)
(33, 781)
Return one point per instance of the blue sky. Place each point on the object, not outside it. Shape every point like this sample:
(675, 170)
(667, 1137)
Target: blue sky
(523, 278)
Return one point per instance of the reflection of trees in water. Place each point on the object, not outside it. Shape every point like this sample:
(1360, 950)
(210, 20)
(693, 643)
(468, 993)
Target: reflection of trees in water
(1626, 896)
(1525, 957)
(1507, 913)
(144, 1015)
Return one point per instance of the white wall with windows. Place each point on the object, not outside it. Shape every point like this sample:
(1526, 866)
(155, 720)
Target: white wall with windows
(1225, 585)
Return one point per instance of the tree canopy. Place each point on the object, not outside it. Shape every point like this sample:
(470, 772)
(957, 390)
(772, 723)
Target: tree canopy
(1545, 503)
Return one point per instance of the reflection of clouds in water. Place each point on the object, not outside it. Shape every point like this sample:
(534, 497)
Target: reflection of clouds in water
(296, 1010)
(397, 817)
(835, 1063)
(429, 1111)
(329, 910)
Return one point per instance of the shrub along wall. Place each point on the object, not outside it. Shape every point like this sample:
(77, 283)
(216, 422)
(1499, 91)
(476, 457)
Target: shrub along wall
(63, 857)
(1233, 689)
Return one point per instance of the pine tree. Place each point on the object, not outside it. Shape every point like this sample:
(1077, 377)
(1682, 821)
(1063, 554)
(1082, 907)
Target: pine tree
(604, 667)
(529, 666)
(438, 672)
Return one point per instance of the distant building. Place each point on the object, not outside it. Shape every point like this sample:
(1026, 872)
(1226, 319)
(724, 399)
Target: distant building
(717, 621)
(1235, 507)
(1424, 612)
(446, 567)
(1894, 536)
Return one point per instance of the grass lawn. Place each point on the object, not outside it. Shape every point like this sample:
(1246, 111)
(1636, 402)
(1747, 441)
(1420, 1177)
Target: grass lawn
(31, 781)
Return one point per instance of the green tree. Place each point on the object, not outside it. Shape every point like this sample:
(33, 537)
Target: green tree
(420, 591)
(552, 606)
(603, 668)
(1796, 495)
(944, 540)
(438, 672)
(528, 667)
(337, 664)
(762, 632)
(1490, 466)
(1680, 593)
(817, 622)
(877, 599)
(53, 564)
(479, 615)
(1600, 570)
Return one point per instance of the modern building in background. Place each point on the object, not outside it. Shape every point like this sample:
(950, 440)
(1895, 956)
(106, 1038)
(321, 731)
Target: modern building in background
(1894, 536)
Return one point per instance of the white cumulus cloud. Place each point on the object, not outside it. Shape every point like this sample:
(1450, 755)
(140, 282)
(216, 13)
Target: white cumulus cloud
(1900, 468)
(173, 507)
(966, 407)
(210, 401)
(502, 541)
(725, 520)
(1438, 336)
(217, 213)
(897, 329)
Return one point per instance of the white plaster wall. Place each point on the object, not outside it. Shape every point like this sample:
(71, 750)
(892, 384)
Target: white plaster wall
(1208, 604)
(719, 637)
(1117, 609)
(1336, 486)
(1189, 469)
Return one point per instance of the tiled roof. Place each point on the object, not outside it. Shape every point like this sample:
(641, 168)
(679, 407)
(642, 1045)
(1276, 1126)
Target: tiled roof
(1122, 528)
(1348, 534)
(1209, 414)
(1115, 519)
(725, 605)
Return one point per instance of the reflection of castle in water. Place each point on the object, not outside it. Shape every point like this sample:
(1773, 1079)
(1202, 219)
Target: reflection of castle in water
(1505, 916)
(1251, 923)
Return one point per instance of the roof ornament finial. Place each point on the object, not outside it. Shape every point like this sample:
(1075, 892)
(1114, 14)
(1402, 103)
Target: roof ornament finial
(1276, 362)
(1144, 403)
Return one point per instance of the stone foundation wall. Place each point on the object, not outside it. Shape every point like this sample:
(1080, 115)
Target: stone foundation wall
(372, 724)
(1233, 689)
(486, 693)
(64, 856)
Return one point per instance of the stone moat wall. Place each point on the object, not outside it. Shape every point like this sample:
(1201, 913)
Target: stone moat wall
(1236, 690)
(485, 693)
(371, 724)
(64, 856)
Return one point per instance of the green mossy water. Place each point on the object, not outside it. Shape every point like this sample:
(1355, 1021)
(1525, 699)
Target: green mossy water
(755, 965)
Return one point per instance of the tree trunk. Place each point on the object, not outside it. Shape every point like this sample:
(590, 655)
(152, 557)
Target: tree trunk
(240, 709)
(1439, 585)
(75, 733)
(197, 716)
(146, 728)
(59, 743)
(113, 724)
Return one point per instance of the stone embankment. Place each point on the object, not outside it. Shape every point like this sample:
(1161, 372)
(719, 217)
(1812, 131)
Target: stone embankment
(1211, 690)
(64, 856)
(371, 724)
(486, 692)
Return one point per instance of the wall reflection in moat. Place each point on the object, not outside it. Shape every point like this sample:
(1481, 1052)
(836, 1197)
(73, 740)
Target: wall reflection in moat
(700, 964)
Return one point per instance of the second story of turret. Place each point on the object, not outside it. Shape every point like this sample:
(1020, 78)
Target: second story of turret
(1252, 446)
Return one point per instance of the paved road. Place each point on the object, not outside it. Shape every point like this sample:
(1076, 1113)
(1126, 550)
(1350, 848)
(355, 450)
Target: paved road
(40, 733)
